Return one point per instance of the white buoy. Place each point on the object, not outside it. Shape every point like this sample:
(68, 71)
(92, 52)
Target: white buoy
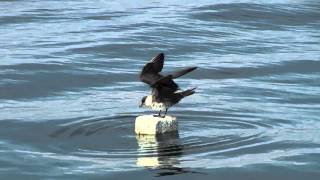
(150, 124)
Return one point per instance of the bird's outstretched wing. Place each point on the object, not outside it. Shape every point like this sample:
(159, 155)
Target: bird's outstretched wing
(150, 72)
(163, 86)
(182, 72)
(157, 62)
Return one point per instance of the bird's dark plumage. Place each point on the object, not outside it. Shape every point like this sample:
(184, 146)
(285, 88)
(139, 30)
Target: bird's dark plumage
(164, 89)
(151, 74)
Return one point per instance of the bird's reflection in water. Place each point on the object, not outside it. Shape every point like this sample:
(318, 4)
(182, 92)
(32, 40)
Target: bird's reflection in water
(161, 153)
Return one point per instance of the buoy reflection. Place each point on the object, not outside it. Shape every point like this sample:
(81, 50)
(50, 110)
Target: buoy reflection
(160, 151)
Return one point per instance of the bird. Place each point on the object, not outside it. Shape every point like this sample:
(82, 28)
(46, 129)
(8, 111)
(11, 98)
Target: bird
(164, 91)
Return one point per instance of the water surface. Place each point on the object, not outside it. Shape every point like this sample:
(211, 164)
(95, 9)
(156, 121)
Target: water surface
(69, 89)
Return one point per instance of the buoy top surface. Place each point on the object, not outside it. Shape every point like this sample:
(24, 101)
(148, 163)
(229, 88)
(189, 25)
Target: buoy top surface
(156, 118)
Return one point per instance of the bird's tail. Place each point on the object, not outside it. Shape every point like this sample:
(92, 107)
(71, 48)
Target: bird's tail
(188, 92)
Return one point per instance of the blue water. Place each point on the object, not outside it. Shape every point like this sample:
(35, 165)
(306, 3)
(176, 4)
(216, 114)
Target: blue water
(69, 89)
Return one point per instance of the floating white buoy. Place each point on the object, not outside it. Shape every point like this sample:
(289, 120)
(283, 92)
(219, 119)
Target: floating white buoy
(150, 124)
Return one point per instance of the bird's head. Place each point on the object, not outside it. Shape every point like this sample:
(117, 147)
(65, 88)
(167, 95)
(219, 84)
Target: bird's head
(143, 101)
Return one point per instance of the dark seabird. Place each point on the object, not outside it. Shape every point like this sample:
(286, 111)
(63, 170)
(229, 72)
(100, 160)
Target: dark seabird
(164, 92)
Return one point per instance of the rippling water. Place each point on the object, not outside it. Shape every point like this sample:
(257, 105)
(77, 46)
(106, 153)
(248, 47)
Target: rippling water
(69, 90)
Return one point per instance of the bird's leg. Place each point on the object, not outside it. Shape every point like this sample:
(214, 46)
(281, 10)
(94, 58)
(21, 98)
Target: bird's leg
(159, 113)
(165, 112)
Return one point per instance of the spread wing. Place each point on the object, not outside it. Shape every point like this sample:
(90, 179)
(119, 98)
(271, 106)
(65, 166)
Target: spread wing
(157, 62)
(163, 86)
(182, 72)
(150, 72)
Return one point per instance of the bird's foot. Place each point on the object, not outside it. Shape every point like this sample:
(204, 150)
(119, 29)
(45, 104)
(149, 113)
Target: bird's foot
(160, 116)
